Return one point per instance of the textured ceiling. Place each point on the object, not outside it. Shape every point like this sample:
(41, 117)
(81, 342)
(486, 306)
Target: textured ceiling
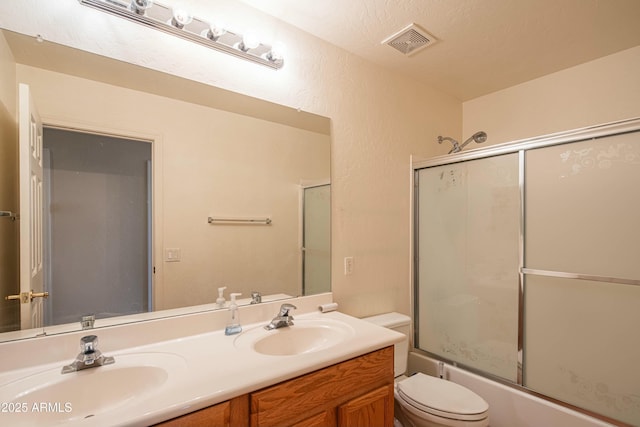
(483, 45)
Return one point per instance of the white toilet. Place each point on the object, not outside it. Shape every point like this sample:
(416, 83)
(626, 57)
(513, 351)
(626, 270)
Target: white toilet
(425, 401)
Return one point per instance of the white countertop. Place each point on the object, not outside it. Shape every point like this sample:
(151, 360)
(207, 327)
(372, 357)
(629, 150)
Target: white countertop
(211, 370)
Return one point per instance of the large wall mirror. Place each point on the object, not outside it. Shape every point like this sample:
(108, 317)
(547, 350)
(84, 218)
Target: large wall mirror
(157, 191)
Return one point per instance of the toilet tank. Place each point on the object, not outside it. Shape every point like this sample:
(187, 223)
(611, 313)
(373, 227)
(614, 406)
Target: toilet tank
(399, 323)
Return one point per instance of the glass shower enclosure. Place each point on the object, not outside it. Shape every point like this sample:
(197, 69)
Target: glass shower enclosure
(527, 265)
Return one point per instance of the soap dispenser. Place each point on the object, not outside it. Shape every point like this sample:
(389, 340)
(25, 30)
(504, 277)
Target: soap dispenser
(233, 327)
(220, 301)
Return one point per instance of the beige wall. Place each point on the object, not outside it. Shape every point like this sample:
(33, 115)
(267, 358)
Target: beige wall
(377, 125)
(596, 92)
(193, 146)
(378, 120)
(9, 310)
(8, 88)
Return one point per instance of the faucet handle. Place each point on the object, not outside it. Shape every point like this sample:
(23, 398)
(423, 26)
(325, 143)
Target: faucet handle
(286, 308)
(88, 344)
(89, 356)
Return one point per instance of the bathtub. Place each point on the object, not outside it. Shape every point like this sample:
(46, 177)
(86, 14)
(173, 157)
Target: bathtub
(508, 407)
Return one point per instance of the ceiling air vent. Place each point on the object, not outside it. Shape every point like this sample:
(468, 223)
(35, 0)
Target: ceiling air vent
(410, 40)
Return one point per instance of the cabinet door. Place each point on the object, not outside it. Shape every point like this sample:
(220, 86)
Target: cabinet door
(373, 409)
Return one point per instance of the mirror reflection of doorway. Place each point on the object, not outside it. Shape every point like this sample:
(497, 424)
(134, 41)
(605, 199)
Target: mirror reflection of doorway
(97, 244)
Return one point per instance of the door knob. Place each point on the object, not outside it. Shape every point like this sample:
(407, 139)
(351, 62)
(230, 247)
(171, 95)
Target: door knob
(33, 295)
(19, 296)
(26, 297)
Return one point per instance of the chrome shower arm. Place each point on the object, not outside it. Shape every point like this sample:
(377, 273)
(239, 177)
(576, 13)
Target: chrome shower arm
(456, 147)
(478, 137)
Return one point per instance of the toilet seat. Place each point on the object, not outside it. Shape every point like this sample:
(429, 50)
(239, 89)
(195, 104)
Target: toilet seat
(442, 398)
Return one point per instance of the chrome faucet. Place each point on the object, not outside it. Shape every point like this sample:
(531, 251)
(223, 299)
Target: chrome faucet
(89, 356)
(88, 321)
(283, 318)
(256, 297)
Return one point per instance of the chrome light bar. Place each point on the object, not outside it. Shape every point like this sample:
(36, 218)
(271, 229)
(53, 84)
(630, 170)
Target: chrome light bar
(175, 22)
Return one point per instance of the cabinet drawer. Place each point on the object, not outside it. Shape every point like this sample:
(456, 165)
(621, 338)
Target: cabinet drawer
(295, 400)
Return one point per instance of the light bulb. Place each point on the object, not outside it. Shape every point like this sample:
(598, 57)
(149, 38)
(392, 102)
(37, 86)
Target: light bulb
(216, 30)
(140, 6)
(249, 41)
(181, 18)
(277, 52)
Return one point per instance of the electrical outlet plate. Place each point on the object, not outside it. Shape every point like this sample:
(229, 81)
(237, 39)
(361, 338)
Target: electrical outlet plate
(348, 265)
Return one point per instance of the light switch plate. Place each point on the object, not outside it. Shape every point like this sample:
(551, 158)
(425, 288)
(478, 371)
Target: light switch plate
(172, 254)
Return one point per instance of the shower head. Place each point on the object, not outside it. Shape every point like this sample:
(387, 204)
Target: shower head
(478, 137)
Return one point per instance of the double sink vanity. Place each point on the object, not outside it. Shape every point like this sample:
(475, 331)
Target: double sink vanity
(325, 369)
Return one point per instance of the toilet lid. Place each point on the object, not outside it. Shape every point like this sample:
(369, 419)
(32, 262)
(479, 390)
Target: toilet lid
(442, 398)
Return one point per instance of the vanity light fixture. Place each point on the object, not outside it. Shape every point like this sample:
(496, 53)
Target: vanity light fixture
(249, 41)
(139, 6)
(181, 18)
(179, 22)
(216, 30)
(276, 53)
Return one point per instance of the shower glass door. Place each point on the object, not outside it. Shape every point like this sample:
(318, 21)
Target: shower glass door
(582, 269)
(316, 239)
(468, 263)
(527, 266)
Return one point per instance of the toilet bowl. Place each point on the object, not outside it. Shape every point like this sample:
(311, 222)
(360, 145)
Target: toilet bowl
(425, 401)
(422, 400)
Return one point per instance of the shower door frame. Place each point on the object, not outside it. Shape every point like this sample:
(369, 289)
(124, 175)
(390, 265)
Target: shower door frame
(520, 147)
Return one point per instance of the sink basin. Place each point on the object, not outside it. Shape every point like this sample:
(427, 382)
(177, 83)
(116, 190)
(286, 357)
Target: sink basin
(48, 397)
(305, 336)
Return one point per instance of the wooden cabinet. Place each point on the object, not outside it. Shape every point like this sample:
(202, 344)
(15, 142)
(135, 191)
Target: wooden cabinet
(355, 393)
(232, 413)
(372, 409)
(323, 419)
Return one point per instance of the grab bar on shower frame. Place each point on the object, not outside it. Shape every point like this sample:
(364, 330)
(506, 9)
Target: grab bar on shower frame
(266, 221)
(579, 276)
